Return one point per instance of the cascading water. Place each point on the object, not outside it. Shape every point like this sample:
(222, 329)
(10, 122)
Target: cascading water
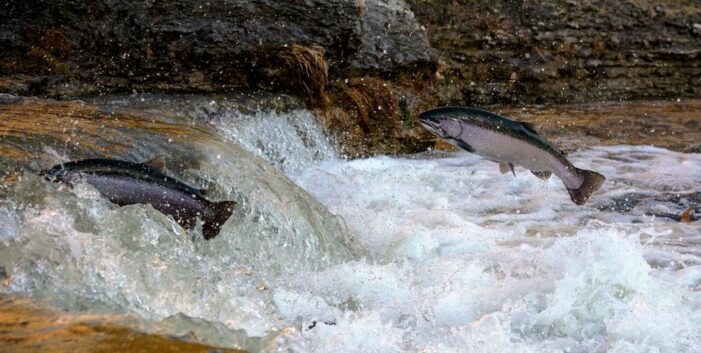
(448, 255)
(75, 248)
(469, 260)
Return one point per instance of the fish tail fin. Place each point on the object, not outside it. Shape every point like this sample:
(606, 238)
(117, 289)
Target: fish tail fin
(219, 213)
(592, 182)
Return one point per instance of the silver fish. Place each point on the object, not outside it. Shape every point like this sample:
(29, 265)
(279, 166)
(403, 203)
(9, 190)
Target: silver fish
(127, 183)
(509, 142)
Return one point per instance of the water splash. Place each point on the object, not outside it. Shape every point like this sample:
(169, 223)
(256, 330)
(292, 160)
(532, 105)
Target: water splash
(291, 141)
(466, 259)
(84, 253)
(453, 256)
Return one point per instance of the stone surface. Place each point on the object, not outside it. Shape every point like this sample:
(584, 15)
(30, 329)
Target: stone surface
(391, 39)
(512, 52)
(69, 48)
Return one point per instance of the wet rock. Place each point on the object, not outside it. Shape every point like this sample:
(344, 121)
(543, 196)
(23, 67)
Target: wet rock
(681, 207)
(668, 124)
(36, 329)
(64, 48)
(696, 29)
(8, 98)
(371, 115)
(391, 39)
(566, 51)
(696, 148)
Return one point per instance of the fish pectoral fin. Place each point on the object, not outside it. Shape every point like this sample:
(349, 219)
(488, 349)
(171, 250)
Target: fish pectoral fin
(505, 167)
(543, 175)
(203, 191)
(158, 162)
(464, 145)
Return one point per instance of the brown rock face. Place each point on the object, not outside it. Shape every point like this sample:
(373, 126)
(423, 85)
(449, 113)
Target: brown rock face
(503, 51)
(485, 52)
(68, 48)
(675, 125)
(391, 38)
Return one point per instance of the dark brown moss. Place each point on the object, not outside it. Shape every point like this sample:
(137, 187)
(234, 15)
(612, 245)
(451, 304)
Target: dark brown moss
(372, 115)
(50, 40)
(305, 69)
(52, 64)
(372, 102)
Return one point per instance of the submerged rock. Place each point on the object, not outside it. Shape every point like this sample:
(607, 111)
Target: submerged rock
(681, 207)
(35, 329)
(274, 213)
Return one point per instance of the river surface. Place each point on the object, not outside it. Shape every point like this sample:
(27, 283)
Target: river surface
(434, 252)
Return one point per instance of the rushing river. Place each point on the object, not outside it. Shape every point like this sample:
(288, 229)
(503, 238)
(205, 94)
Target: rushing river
(436, 252)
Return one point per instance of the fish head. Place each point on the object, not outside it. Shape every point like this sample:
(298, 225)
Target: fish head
(437, 122)
(52, 174)
(58, 174)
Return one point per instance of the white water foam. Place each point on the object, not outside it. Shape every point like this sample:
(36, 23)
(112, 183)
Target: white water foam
(459, 258)
(465, 259)
(290, 141)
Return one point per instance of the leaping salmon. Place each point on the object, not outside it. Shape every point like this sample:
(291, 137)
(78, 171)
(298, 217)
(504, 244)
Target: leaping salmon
(509, 142)
(127, 183)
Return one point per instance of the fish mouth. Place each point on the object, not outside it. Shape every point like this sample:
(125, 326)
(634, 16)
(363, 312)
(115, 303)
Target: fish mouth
(48, 176)
(431, 124)
(51, 174)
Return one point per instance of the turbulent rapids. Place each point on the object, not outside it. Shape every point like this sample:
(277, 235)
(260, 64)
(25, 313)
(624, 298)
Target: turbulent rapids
(436, 252)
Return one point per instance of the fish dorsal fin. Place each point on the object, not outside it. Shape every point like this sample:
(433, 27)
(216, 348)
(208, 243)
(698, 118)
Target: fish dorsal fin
(529, 127)
(156, 163)
(506, 167)
(543, 175)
